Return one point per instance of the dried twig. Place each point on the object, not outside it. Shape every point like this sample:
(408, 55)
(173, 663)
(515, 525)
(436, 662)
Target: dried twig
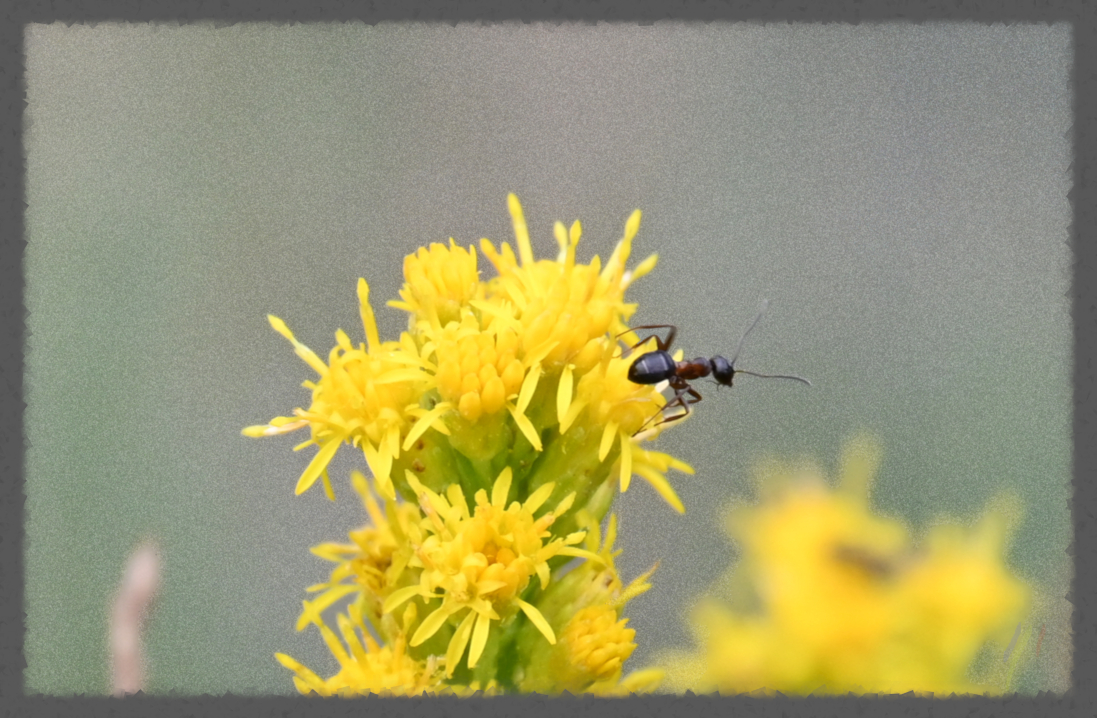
(131, 608)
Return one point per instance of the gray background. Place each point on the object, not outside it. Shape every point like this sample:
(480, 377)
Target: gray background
(898, 192)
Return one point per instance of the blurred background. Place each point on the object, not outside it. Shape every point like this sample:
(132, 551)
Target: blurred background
(898, 193)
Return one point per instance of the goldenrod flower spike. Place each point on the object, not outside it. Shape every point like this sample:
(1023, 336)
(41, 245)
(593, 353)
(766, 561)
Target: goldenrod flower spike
(450, 568)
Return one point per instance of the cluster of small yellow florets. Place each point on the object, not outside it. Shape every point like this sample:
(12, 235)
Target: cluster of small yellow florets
(502, 397)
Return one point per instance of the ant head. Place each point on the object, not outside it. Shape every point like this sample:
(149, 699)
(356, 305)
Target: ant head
(722, 370)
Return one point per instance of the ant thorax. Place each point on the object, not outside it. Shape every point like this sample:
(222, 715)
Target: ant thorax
(696, 369)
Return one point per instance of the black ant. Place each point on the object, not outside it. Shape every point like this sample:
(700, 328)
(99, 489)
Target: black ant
(654, 367)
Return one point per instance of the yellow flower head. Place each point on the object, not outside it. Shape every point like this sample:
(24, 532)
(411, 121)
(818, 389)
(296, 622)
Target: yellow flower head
(366, 667)
(597, 643)
(439, 283)
(365, 398)
(480, 562)
(560, 303)
(809, 547)
(586, 603)
(374, 563)
(478, 370)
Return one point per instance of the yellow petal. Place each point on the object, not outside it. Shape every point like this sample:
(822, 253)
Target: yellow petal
(334, 645)
(457, 644)
(302, 351)
(536, 354)
(333, 551)
(398, 597)
(560, 232)
(309, 614)
(563, 506)
(305, 677)
(395, 376)
(479, 639)
(643, 268)
(660, 484)
(539, 497)
(502, 488)
(430, 625)
(574, 410)
(328, 490)
(563, 395)
(611, 530)
(369, 323)
(311, 610)
(380, 465)
(319, 463)
(425, 422)
(275, 427)
(626, 462)
(485, 587)
(543, 574)
(645, 681)
(860, 460)
(529, 385)
(608, 435)
(351, 639)
(581, 553)
(526, 427)
(575, 232)
(521, 232)
(638, 585)
(632, 226)
(538, 620)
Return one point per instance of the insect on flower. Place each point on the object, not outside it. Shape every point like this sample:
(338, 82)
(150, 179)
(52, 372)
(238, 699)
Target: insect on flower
(657, 366)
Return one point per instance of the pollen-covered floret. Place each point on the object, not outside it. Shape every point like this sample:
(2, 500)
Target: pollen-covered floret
(439, 283)
(479, 562)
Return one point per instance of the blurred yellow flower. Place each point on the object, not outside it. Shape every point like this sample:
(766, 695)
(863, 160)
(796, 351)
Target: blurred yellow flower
(836, 600)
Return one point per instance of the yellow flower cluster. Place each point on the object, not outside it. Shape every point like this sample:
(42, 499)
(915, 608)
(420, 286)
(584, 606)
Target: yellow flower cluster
(539, 340)
(830, 598)
(501, 395)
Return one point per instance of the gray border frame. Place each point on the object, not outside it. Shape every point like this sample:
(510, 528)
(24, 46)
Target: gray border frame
(1082, 698)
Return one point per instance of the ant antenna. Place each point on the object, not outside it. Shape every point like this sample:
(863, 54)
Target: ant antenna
(761, 311)
(765, 303)
(774, 376)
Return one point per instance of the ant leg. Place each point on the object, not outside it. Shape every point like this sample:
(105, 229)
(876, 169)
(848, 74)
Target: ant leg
(663, 345)
(681, 389)
(683, 401)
